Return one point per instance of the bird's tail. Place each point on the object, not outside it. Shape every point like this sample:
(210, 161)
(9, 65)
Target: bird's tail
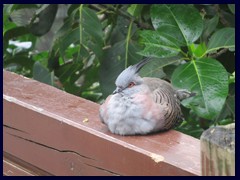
(183, 94)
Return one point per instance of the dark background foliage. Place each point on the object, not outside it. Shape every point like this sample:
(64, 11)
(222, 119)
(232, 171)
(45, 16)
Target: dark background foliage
(81, 49)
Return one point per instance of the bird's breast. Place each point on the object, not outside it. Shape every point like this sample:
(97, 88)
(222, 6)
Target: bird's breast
(124, 106)
(140, 105)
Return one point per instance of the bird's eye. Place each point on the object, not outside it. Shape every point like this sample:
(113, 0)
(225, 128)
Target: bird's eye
(131, 84)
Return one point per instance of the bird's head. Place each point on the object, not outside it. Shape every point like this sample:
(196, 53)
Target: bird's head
(128, 82)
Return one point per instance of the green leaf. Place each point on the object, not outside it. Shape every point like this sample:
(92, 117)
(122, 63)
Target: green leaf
(228, 110)
(168, 70)
(209, 26)
(158, 44)
(45, 20)
(198, 50)
(209, 80)
(66, 71)
(91, 76)
(123, 26)
(88, 33)
(232, 78)
(232, 8)
(72, 37)
(120, 30)
(155, 67)
(92, 26)
(16, 7)
(183, 22)
(42, 57)
(223, 38)
(69, 38)
(135, 9)
(40, 73)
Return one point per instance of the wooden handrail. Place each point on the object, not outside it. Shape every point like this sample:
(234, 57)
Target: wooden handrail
(49, 132)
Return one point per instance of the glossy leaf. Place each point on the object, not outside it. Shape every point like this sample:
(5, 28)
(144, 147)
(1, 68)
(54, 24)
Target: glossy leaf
(228, 110)
(198, 50)
(91, 32)
(66, 71)
(135, 9)
(183, 22)
(69, 38)
(209, 27)
(45, 20)
(209, 79)
(223, 38)
(158, 44)
(155, 67)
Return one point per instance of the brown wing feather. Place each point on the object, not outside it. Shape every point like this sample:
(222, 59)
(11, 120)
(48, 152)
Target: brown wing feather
(163, 93)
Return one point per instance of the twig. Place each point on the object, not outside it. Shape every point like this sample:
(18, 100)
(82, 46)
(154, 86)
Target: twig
(218, 53)
(121, 13)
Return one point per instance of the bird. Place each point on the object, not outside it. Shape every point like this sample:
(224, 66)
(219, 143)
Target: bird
(142, 105)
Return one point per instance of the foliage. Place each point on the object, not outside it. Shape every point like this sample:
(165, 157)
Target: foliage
(82, 49)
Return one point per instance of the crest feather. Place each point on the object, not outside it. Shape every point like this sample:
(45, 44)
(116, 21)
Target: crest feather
(127, 74)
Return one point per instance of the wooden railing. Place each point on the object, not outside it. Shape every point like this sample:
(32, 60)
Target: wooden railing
(49, 132)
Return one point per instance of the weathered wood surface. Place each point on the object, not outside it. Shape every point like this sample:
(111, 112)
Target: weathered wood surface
(13, 166)
(218, 151)
(49, 132)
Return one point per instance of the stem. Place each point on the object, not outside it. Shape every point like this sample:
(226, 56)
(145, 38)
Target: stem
(102, 11)
(218, 53)
(80, 28)
(127, 43)
(186, 56)
(215, 55)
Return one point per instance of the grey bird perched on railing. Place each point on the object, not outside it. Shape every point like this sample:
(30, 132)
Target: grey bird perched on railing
(142, 105)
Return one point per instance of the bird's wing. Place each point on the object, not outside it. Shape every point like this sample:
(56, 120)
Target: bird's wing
(163, 93)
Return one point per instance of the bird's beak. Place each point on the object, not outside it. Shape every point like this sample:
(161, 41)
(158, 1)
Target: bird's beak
(117, 90)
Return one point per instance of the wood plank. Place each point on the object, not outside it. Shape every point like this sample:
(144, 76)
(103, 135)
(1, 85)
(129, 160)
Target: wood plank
(13, 169)
(45, 127)
(13, 166)
(218, 151)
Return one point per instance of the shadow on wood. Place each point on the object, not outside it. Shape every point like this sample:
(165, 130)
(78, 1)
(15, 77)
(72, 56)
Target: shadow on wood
(50, 132)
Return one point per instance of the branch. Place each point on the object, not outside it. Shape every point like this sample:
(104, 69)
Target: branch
(109, 10)
(215, 55)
